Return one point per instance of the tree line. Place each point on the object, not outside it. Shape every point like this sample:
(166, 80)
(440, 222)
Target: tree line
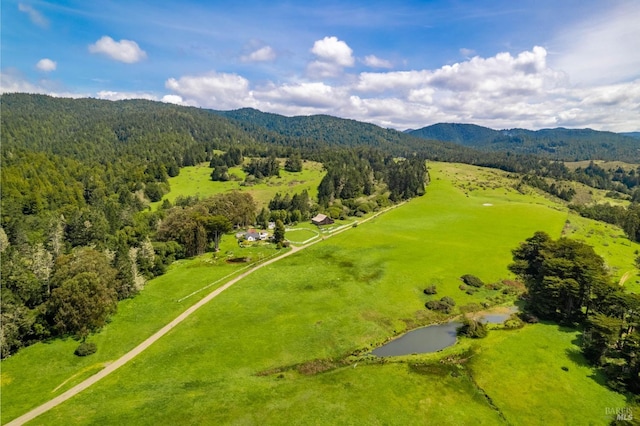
(569, 283)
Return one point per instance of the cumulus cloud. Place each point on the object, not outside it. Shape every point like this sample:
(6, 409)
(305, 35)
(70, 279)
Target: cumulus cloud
(330, 49)
(332, 55)
(316, 95)
(264, 54)
(46, 65)
(13, 81)
(214, 90)
(119, 96)
(173, 99)
(502, 91)
(126, 51)
(374, 62)
(35, 16)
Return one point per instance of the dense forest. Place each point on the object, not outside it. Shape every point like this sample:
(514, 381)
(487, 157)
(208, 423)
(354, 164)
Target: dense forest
(559, 144)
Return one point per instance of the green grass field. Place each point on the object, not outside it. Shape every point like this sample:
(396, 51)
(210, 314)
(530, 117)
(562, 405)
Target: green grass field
(343, 295)
(196, 180)
(44, 370)
(521, 370)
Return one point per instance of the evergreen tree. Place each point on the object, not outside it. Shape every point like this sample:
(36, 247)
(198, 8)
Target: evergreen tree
(278, 232)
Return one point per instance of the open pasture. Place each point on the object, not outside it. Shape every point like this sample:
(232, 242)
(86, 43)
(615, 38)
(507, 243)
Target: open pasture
(44, 370)
(255, 354)
(196, 180)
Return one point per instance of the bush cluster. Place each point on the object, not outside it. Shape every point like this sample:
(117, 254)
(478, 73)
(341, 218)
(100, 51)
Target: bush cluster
(513, 322)
(445, 305)
(431, 290)
(472, 280)
(472, 328)
(85, 349)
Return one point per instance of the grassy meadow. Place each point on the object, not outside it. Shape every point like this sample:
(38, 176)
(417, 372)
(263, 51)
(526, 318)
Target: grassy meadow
(288, 344)
(41, 371)
(196, 180)
(522, 371)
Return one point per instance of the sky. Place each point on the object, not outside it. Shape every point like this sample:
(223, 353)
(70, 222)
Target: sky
(398, 64)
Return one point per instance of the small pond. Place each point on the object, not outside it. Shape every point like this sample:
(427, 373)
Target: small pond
(430, 339)
(421, 340)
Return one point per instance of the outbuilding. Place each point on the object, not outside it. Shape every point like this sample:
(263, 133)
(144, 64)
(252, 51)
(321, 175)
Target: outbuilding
(321, 219)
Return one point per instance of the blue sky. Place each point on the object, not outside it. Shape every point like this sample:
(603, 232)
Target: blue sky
(400, 64)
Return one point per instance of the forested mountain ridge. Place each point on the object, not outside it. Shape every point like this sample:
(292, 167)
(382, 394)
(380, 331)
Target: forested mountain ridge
(98, 130)
(559, 143)
(327, 130)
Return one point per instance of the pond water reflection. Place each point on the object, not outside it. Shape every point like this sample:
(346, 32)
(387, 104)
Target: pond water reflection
(431, 338)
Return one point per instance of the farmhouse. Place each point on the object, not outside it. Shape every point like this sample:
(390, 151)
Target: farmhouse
(321, 219)
(253, 235)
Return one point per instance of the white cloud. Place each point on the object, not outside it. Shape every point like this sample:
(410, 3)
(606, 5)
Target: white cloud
(214, 90)
(604, 49)
(395, 80)
(264, 54)
(12, 81)
(124, 50)
(374, 62)
(316, 95)
(467, 53)
(46, 65)
(502, 91)
(332, 55)
(173, 99)
(35, 16)
(332, 50)
(119, 96)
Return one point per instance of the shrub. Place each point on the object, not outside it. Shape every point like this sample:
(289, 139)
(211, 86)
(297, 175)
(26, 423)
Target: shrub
(472, 328)
(445, 305)
(85, 349)
(434, 305)
(431, 290)
(449, 301)
(513, 322)
(472, 280)
(471, 291)
(462, 287)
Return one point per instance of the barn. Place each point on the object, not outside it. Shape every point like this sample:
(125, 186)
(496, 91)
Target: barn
(321, 219)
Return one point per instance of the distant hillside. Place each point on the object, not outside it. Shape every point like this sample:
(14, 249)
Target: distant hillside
(325, 130)
(464, 134)
(99, 130)
(559, 143)
(635, 135)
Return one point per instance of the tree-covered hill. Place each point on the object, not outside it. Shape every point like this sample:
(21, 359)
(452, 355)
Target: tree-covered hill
(97, 130)
(325, 130)
(464, 134)
(560, 143)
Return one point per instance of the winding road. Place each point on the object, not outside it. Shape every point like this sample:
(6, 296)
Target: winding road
(110, 368)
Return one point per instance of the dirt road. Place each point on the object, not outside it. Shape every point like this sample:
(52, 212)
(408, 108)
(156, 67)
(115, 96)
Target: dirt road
(164, 330)
(141, 347)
